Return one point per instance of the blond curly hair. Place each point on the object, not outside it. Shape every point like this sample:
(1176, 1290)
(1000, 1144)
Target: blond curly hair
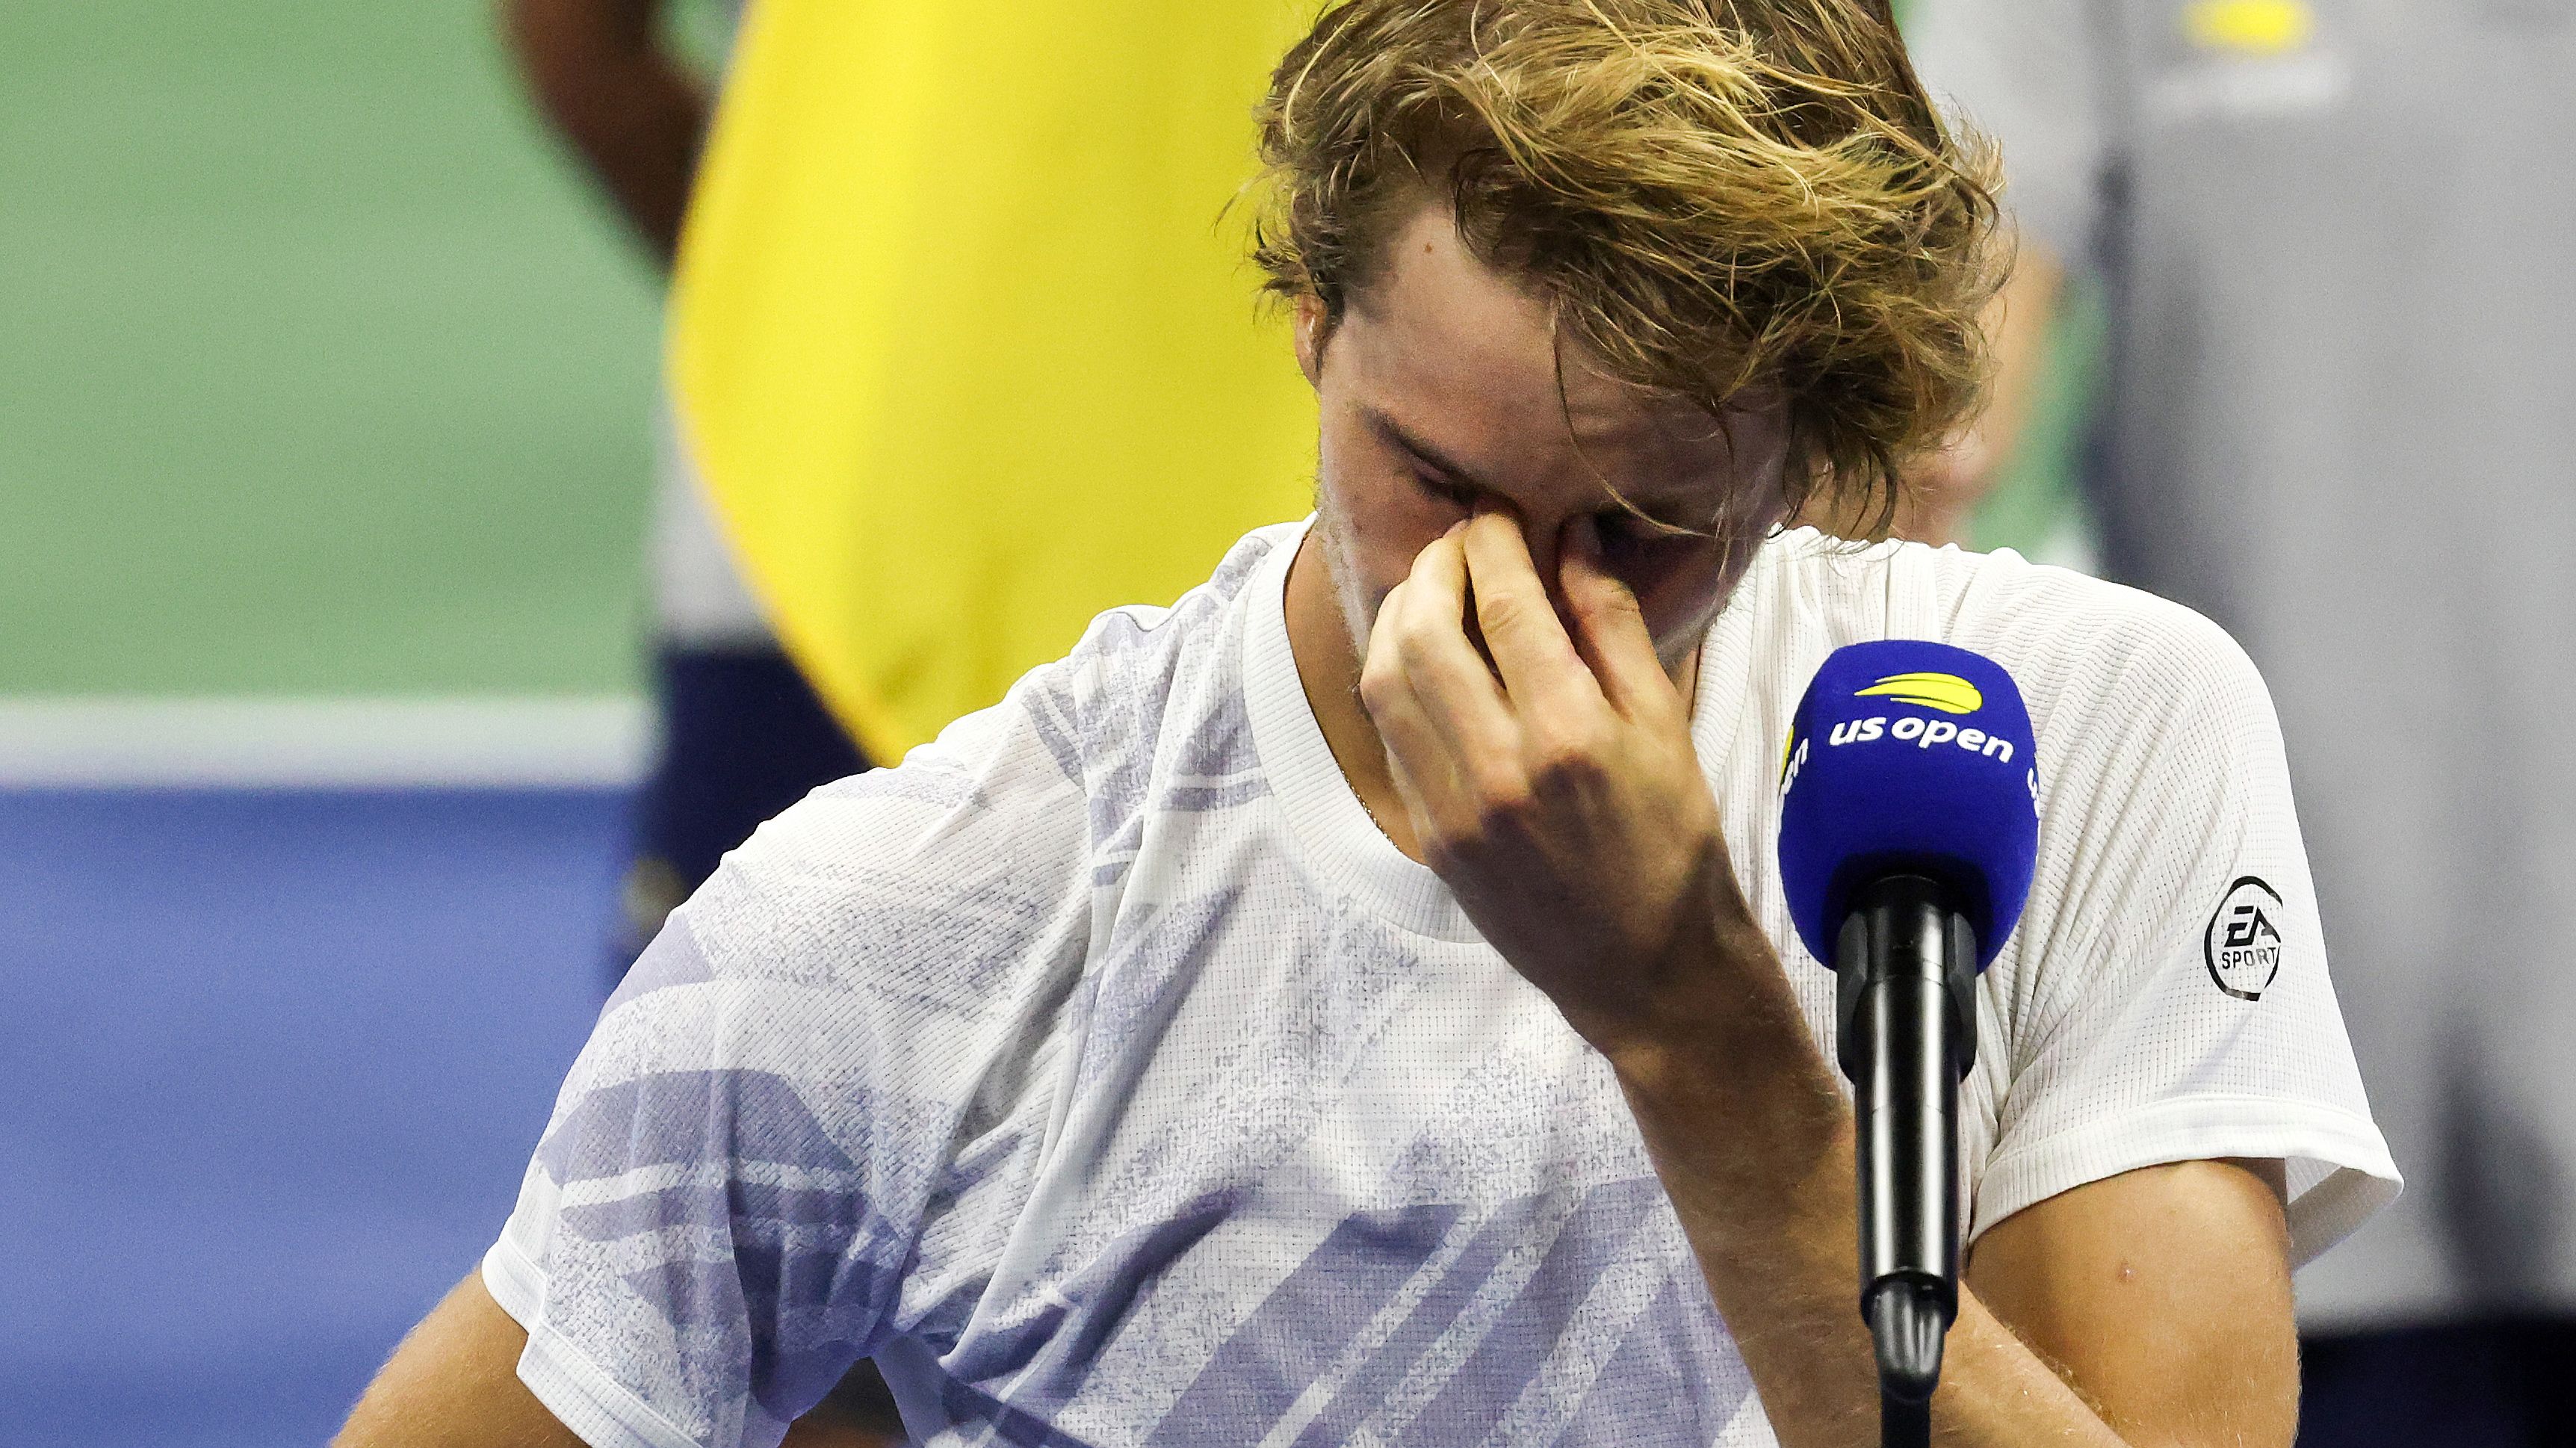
(1712, 195)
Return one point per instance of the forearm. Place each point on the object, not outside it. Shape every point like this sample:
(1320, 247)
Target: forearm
(454, 1383)
(1755, 1147)
(600, 75)
(1558, 794)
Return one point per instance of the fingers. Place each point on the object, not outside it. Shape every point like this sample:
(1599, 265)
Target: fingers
(1611, 629)
(1540, 667)
(1418, 756)
(1423, 677)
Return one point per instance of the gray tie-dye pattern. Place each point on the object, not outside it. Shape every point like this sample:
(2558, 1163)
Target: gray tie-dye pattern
(688, 1118)
(1063, 1068)
(1258, 1084)
(1124, 734)
(938, 1057)
(1362, 1390)
(1294, 1338)
(761, 1241)
(1214, 767)
(1036, 1366)
(1676, 1370)
(1530, 1331)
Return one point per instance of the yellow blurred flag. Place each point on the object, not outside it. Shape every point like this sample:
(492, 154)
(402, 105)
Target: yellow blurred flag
(964, 339)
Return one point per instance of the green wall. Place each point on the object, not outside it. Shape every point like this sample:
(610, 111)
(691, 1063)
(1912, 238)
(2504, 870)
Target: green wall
(319, 371)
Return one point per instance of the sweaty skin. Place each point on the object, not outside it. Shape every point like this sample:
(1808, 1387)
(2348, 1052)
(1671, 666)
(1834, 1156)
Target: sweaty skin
(1503, 672)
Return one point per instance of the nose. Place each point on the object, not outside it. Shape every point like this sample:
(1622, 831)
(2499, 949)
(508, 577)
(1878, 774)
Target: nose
(1542, 532)
(1545, 545)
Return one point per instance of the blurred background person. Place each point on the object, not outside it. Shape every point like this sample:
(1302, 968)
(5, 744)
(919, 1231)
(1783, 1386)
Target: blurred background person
(741, 735)
(2334, 239)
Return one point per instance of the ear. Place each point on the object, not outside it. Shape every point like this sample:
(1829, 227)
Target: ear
(1312, 330)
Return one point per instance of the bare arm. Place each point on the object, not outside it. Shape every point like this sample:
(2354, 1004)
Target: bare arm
(603, 79)
(454, 1383)
(2164, 1294)
(1558, 793)
(2151, 1308)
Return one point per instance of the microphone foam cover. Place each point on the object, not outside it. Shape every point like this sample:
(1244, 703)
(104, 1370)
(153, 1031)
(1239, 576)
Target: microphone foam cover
(1907, 755)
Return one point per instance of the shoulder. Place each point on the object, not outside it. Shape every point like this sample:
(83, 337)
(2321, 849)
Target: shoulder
(2081, 649)
(1143, 678)
(996, 825)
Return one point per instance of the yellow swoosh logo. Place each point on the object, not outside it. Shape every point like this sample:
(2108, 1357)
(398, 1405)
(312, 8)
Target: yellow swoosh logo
(1946, 692)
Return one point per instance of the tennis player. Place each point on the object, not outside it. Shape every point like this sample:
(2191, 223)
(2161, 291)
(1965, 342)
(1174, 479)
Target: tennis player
(1356, 1004)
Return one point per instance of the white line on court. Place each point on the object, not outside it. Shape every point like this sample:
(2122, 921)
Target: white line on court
(108, 742)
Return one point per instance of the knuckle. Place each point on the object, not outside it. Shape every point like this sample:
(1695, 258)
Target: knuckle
(1381, 681)
(1568, 754)
(1501, 612)
(1413, 638)
(1503, 803)
(1561, 766)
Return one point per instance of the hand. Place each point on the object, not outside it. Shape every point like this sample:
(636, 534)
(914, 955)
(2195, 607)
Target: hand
(1555, 788)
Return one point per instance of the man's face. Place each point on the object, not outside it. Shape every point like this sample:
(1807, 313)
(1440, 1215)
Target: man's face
(1439, 393)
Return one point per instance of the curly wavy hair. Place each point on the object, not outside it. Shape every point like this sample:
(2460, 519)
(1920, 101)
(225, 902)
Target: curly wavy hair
(1711, 195)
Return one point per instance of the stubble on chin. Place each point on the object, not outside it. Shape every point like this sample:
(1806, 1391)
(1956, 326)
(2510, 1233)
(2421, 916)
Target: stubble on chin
(1350, 592)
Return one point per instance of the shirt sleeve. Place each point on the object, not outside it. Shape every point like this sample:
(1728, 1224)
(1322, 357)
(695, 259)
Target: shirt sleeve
(2032, 75)
(720, 1217)
(2166, 996)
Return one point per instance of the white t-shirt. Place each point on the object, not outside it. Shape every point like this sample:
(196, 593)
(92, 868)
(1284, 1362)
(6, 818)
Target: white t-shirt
(1106, 1074)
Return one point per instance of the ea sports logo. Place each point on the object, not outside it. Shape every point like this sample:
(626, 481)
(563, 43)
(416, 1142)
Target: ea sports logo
(2242, 944)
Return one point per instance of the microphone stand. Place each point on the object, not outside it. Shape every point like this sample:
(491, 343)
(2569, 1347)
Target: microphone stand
(1905, 967)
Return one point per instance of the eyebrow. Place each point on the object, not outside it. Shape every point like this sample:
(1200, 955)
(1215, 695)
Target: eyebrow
(1395, 433)
(1392, 431)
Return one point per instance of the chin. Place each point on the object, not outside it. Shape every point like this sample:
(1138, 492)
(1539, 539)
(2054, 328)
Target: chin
(1676, 652)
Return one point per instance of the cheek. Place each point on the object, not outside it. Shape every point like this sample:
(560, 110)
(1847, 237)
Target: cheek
(1384, 519)
(1677, 585)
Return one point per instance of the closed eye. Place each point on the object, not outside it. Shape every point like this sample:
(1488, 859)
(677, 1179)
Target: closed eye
(1622, 529)
(1454, 494)
(1626, 531)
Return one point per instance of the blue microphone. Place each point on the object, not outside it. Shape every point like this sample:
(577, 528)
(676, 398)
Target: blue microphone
(1909, 823)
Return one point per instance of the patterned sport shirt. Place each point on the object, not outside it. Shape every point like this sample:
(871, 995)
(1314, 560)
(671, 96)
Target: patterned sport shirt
(1109, 1078)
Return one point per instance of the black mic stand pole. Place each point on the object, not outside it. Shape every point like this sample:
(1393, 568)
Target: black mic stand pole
(1905, 967)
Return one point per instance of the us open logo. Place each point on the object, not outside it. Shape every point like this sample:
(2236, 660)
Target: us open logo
(2242, 946)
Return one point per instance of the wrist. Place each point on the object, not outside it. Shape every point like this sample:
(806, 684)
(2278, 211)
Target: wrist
(1726, 1072)
(1720, 1008)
